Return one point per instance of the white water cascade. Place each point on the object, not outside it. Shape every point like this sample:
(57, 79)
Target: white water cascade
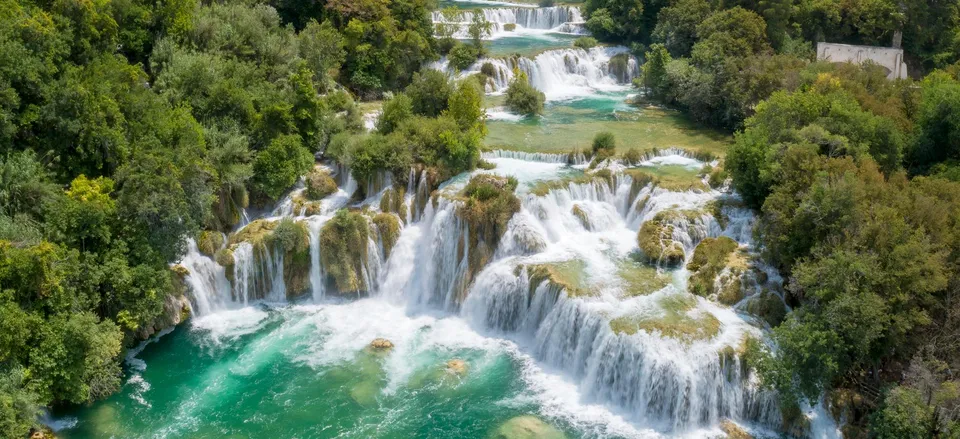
(517, 20)
(562, 73)
(657, 381)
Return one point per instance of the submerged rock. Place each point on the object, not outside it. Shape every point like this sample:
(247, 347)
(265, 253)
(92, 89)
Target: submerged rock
(527, 427)
(456, 367)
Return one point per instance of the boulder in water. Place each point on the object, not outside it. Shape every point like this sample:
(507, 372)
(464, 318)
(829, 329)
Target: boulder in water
(655, 239)
(319, 184)
(381, 344)
(734, 431)
(527, 427)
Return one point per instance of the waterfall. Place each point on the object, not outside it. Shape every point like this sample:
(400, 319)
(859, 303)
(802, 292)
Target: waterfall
(660, 382)
(667, 383)
(207, 281)
(505, 21)
(562, 73)
(577, 158)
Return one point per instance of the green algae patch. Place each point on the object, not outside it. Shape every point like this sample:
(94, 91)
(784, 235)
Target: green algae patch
(527, 427)
(655, 240)
(388, 226)
(319, 184)
(567, 275)
(709, 259)
(209, 241)
(640, 279)
(489, 203)
(581, 215)
(679, 319)
(343, 250)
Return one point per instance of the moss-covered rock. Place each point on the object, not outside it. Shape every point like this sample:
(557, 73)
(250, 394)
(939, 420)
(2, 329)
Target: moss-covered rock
(489, 203)
(343, 250)
(712, 257)
(679, 319)
(581, 215)
(600, 177)
(293, 239)
(388, 227)
(569, 276)
(319, 184)
(655, 240)
(305, 207)
(209, 241)
(527, 427)
(392, 202)
(733, 430)
(256, 233)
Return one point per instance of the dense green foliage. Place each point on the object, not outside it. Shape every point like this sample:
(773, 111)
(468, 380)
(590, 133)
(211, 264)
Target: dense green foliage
(523, 98)
(854, 176)
(128, 126)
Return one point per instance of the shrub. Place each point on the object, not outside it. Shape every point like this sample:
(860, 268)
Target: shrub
(278, 167)
(462, 56)
(632, 156)
(395, 111)
(585, 43)
(604, 141)
(490, 203)
(429, 92)
(523, 98)
(488, 69)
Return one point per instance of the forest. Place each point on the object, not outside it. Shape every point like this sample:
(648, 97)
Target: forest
(128, 126)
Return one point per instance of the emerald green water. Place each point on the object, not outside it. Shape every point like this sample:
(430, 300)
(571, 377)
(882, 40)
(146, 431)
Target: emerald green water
(306, 372)
(571, 124)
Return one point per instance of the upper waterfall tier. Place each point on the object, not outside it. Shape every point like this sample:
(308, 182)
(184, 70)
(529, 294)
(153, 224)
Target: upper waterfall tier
(506, 21)
(561, 74)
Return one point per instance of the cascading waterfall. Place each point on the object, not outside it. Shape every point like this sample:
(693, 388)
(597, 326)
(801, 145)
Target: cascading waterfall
(559, 19)
(571, 159)
(562, 73)
(664, 383)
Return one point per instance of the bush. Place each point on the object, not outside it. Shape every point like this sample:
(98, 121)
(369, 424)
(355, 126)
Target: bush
(429, 92)
(585, 43)
(488, 69)
(462, 56)
(605, 142)
(490, 203)
(523, 98)
(395, 111)
(278, 167)
(632, 156)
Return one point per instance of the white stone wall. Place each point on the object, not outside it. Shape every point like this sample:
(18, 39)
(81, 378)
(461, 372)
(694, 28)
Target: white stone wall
(888, 57)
